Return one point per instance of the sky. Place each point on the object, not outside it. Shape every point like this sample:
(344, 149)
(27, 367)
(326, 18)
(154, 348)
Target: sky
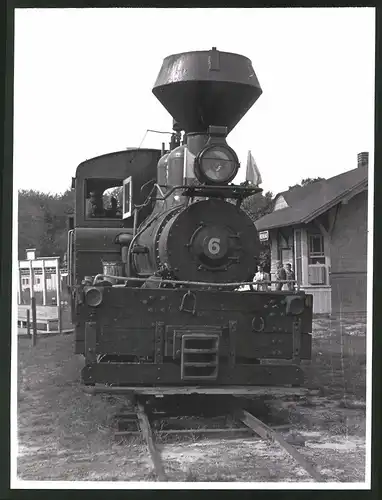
(83, 86)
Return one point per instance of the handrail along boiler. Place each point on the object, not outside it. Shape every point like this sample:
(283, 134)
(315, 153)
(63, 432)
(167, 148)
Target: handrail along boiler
(155, 282)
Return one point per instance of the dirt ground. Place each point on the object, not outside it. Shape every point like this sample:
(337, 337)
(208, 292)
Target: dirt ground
(65, 434)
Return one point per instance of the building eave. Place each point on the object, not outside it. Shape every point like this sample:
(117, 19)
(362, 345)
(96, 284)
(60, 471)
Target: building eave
(297, 219)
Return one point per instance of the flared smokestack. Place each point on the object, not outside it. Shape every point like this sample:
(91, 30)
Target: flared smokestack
(206, 88)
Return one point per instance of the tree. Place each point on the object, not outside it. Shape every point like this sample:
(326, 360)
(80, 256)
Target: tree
(305, 182)
(116, 192)
(257, 206)
(43, 221)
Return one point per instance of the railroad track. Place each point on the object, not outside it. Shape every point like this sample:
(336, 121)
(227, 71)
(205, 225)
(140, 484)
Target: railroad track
(155, 417)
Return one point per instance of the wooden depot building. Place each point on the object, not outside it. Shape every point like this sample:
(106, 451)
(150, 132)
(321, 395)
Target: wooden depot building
(321, 229)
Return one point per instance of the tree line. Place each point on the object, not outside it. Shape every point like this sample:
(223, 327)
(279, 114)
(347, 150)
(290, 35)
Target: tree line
(43, 221)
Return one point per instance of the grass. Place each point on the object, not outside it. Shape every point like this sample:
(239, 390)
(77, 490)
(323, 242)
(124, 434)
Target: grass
(66, 434)
(50, 395)
(338, 364)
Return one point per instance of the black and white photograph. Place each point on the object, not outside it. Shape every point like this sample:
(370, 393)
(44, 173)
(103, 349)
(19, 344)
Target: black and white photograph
(192, 248)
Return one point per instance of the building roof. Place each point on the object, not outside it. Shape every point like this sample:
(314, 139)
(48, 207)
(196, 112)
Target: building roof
(308, 202)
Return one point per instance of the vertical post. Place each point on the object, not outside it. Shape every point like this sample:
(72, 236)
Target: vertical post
(31, 280)
(20, 287)
(274, 255)
(304, 257)
(34, 321)
(28, 323)
(43, 277)
(58, 276)
(57, 282)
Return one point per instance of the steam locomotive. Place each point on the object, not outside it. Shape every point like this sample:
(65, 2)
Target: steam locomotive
(156, 281)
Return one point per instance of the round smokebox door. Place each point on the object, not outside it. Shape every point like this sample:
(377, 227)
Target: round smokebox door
(210, 240)
(210, 244)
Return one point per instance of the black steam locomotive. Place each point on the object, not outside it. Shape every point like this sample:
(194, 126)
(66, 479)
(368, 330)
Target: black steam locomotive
(156, 277)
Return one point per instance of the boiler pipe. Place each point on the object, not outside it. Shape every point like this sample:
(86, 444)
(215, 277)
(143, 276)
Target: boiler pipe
(199, 283)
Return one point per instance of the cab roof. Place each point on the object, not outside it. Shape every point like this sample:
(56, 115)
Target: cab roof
(89, 166)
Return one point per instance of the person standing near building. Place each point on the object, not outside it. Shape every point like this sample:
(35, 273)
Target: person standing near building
(261, 278)
(280, 275)
(290, 277)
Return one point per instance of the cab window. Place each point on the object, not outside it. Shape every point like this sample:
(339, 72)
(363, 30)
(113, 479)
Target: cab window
(103, 199)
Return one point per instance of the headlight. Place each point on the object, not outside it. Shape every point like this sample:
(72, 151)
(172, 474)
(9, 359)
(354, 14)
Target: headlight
(93, 296)
(216, 165)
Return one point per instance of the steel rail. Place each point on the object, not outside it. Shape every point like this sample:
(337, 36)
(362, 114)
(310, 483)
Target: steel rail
(267, 433)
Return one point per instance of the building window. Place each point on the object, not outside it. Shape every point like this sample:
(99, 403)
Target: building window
(316, 249)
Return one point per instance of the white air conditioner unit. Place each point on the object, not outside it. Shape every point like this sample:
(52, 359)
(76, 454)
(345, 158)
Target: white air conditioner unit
(316, 275)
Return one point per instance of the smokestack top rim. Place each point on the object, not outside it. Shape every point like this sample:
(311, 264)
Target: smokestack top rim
(213, 49)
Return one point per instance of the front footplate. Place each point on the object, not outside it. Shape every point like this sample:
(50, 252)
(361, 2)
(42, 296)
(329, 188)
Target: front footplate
(147, 374)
